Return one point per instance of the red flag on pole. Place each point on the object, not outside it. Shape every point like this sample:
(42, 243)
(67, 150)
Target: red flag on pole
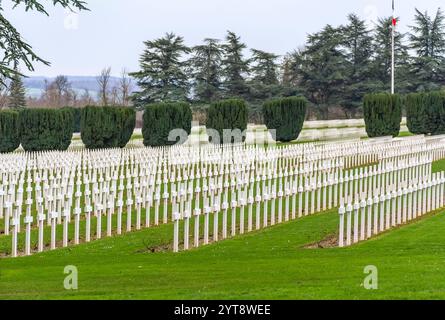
(394, 19)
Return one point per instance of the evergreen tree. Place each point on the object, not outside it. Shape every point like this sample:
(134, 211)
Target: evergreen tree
(381, 69)
(428, 40)
(264, 72)
(321, 68)
(206, 64)
(163, 74)
(290, 75)
(358, 46)
(13, 49)
(17, 93)
(235, 67)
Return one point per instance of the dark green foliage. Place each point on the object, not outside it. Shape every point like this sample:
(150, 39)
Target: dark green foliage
(126, 123)
(46, 129)
(286, 116)
(227, 115)
(161, 118)
(428, 40)
(383, 114)
(76, 118)
(17, 93)
(9, 131)
(77, 113)
(264, 83)
(107, 127)
(426, 112)
(235, 67)
(381, 64)
(163, 75)
(416, 116)
(207, 71)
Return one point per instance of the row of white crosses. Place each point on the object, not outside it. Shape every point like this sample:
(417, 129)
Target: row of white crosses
(95, 187)
(154, 185)
(309, 189)
(389, 174)
(365, 218)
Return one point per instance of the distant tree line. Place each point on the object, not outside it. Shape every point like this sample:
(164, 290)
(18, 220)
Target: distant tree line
(334, 70)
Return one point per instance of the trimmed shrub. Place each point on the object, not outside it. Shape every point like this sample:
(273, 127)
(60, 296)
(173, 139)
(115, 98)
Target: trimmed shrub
(126, 122)
(416, 113)
(285, 116)
(46, 129)
(227, 115)
(9, 131)
(426, 112)
(161, 118)
(107, 127)
(77, 112)
(383, 114)
(76, 118)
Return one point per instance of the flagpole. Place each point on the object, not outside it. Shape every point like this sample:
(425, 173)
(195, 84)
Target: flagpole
(393, 50)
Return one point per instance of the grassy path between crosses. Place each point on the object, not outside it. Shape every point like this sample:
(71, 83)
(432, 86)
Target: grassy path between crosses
(269, 264)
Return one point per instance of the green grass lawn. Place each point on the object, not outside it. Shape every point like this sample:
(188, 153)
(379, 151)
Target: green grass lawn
(270, 264)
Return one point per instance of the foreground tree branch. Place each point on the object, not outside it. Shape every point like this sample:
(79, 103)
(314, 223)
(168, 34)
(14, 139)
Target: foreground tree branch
(13, 49)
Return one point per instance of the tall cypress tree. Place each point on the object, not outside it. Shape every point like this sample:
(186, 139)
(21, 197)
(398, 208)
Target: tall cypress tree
(163, 75)
(17, 93)
(235, 67)
(206, 64)
(428, 40)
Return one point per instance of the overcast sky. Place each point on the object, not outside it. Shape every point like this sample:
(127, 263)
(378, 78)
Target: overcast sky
(112, 33)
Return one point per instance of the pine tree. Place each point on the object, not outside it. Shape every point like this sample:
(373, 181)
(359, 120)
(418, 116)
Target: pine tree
(163, 75)
(235, 67)
(206, 64)
(290, 75)
(17, 93)
(264, 73)
(321, 69)
(428, 40)
(381, 69)
(358, 45)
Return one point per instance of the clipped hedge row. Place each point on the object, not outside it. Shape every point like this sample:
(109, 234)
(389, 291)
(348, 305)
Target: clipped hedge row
(9, 131)
(160, 119)
(229, 115)
(46, 129)
(383, 114)
(285, 116)
(425, 112)
(107, 127)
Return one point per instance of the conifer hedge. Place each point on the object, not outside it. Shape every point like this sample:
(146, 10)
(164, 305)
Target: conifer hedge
(228, 114)
(383, 114)
(46, 129)
(161, 118)
(285, 116)
(9, 131)
(77, 112)
(425, 112)
(126, 122)
(107, 127)
(76, 118)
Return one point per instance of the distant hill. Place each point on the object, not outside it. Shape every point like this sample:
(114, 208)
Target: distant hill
(35, 85)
